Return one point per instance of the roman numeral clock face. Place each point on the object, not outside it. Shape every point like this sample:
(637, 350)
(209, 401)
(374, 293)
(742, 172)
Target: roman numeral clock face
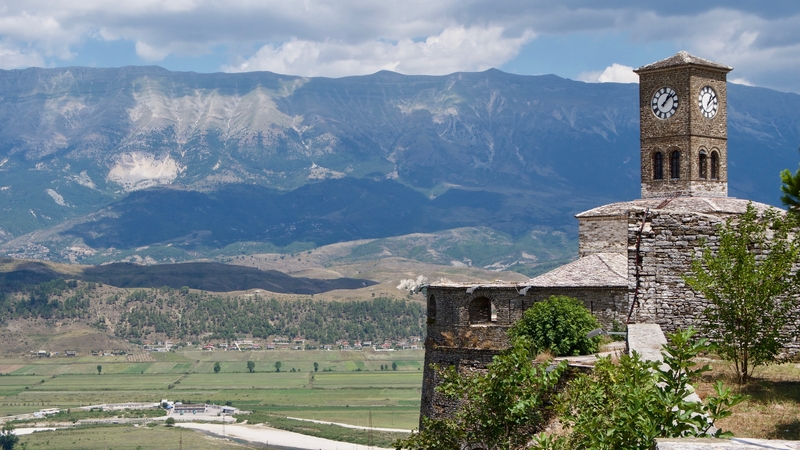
(664, 103)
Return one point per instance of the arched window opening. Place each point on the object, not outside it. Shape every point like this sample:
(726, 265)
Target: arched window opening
(675, 165)
(703, 170)
(658, 166)
(480, 310)
(714, 165)
(431, 309)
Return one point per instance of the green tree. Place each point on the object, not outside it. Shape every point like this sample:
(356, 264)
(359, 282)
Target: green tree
(8, 440)
(394, 366)
(316, 367)
(278, 366)
(170, 422)
(500, 409)
(635, 401)
(791, 191)
(750, 286)
(558, 324)
(251, 366)
(99, 369)
(217, 367)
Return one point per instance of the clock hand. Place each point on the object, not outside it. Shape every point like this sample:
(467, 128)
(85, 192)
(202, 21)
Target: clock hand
(668, 97)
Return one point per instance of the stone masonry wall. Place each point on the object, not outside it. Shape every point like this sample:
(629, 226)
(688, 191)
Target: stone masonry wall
(602, 235)
(670, 241)
(453, 340)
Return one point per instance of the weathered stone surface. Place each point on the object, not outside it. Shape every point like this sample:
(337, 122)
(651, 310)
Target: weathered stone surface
(647, 340)
(725, 444)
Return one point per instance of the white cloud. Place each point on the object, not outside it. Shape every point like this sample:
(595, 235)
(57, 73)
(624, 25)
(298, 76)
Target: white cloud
(741, 81)
(454, 49)
(615, 73)
(347, 37)
(11, 57)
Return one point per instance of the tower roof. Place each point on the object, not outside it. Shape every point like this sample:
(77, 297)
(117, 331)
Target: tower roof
(682, 58)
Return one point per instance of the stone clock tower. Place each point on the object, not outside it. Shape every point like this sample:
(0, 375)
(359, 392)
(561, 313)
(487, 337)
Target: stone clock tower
(684, 131)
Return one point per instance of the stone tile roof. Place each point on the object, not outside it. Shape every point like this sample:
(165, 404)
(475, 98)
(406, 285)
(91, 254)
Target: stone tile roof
(682, 58)
(717, 206)
(595, 270)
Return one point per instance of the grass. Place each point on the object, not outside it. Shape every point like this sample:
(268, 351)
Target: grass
(772, 410)
(123, 438)
(343, 395)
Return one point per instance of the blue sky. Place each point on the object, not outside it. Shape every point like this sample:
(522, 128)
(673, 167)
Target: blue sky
(585, 40)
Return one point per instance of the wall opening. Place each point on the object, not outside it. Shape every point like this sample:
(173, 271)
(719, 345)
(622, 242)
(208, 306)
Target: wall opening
(481, 310)
(675, 165)
(658, 166)
(431, 309)
(703, 164)
(714, 165)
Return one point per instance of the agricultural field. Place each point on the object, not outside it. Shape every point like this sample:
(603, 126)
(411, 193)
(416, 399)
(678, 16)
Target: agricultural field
(348, 387)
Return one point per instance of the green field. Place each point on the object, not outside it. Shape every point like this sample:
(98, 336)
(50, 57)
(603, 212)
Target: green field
(347, 388)
(123, 438)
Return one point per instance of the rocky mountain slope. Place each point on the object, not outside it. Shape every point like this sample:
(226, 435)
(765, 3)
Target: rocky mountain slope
(106, 164)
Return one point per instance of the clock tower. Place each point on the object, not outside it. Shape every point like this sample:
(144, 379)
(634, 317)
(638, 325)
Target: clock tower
(684, 130)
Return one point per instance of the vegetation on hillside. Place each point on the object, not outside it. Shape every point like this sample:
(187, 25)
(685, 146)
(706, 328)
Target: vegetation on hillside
(632, 401)
(188, 315)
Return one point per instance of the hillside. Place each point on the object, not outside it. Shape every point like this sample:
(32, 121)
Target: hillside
(143, 164)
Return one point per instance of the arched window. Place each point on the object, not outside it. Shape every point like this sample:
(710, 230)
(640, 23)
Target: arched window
(480, 310)
(658, 166)
(703, 170)
(714, 165)
(431, 309)
(675, 165)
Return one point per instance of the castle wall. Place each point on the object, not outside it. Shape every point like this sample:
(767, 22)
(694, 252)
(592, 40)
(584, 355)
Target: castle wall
(452, 340)
(670, 241)
(609, 305)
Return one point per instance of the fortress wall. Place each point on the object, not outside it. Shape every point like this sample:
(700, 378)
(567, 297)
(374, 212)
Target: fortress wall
(669, 242)
(608, 305)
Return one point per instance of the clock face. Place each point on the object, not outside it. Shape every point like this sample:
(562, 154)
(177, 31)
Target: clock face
(708, 102)
(664, 103)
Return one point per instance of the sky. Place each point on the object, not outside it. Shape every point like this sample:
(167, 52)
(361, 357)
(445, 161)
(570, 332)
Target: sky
(587, 40)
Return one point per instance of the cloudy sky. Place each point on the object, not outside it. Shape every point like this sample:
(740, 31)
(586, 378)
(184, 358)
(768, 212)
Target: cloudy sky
(586, 40)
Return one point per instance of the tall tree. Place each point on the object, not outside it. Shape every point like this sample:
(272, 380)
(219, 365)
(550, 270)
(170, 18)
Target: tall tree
(750, 286)
(251, 366)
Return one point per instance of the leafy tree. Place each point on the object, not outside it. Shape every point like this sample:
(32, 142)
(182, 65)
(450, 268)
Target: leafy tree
(251, 366)
(217, 367)
(316, 367)
(170, 422)
(635, 401)
(278, 366)
(558, 324)
(8, 440)
(749, 283)
(394, 366)
(99, 369)
(500, 409)
(791, 190)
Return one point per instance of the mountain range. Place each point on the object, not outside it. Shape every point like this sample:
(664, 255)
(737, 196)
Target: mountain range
(102, 165)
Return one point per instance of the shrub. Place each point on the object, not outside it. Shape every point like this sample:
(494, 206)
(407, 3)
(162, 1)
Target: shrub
(558, 324)
(170, 422)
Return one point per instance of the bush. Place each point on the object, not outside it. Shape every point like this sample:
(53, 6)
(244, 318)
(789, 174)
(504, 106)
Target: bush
(170, 422)
(558, 324)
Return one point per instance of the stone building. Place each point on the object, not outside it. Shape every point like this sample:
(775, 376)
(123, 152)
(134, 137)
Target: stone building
(633, 254)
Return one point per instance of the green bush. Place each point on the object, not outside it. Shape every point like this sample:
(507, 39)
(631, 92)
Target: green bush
(558, 324)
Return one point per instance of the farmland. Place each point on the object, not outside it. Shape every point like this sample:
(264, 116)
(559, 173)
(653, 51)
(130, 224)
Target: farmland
(348, 387)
